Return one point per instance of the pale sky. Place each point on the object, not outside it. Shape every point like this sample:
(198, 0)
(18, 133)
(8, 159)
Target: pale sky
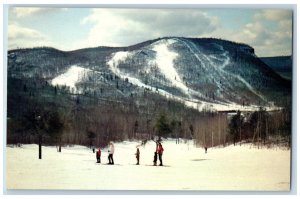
(269, 31)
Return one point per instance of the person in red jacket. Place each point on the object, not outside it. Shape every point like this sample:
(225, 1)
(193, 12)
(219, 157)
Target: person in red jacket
(160, 151)
(98, 156)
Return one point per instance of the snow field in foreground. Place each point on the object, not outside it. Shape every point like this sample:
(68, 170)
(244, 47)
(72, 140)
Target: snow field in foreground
(187, 168)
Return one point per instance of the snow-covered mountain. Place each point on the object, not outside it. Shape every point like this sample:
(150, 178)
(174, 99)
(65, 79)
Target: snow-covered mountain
(200, 73)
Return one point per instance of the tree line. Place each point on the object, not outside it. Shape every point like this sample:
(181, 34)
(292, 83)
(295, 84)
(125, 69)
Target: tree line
(43, 114)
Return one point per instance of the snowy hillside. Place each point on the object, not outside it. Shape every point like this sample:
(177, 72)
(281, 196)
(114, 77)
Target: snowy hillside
(200, 73)
(161, 67)
(186, 168)
(72, 76)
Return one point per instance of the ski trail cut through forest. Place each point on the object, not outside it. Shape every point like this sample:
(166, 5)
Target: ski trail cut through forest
(190, 101)
(165, 62)
(226, 62)
(71, 77)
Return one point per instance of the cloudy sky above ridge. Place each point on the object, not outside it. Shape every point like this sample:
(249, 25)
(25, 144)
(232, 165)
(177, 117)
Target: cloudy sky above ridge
(269, 31)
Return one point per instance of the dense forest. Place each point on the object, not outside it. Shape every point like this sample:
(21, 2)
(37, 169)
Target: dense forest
(39, 111)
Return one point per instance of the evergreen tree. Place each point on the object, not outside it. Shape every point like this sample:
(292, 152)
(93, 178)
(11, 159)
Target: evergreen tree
(135, 128)
(235, 127)
(41, 123)
(259, 124)
(55, 127)
(91, 136)
(191, 128)
(162, 126)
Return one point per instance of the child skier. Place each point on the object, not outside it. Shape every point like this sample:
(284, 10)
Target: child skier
(98, 155)
(155, 159)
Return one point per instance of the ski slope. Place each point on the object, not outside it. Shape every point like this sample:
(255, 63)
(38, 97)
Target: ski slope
(232, 168)
(194, 49)
(72, 76)
(164, 59)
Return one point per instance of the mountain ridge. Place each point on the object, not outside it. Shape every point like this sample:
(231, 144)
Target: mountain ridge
(283, 65)
(197, 69)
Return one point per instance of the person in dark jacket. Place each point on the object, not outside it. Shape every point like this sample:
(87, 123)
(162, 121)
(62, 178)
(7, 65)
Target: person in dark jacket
(160, 151)
(155, 154)
(155, 159)
(98, 156)
(137, 155)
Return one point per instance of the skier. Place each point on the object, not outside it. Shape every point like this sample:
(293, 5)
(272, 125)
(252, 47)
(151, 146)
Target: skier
(137, 155)
(205, 149)
(155, 159)
(155, 154)
(160, 150)
(98, 155)
(111, 153)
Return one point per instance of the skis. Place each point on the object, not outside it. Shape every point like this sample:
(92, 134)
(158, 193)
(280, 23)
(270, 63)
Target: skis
(111, 164)
(133, 164)
(157, 165)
